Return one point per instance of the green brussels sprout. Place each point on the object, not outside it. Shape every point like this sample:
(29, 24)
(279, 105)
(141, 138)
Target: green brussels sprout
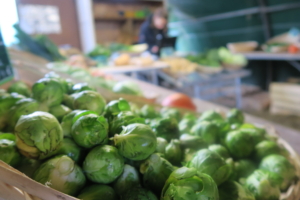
(239, 143)
(63, 82)
(20, 88)
(59, 111)
(156, 170)
(38, 135)
(28, 166)
(166, 128)
(94, 192)
(71, 149)
(263, 185)
(219, 149)
(161, 145)
(6, 102)
(281, 166)
(90, 130)
(189, 183)
(188, 141)
(208, 162)
(123, 119)
(185, 125)
(211, 116)
(256, 134)
(170, 113)
(115, 107)
(206, 130)
(79, 87)
(243, 168)
(136, 142)
(81, 113)
(148, 112)
(8, 151)
(62, 174)
(21, 107)
(174, 153)
(89, 100)
(103, 164)
(189, 115)
(138, 193)
(127, 87)
(234, 191)
(235, 116)
(48, 91)
(266, 148)
(127, 180)
(67, 122)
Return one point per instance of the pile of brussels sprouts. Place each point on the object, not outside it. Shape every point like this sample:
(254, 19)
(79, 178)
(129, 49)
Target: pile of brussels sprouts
(67, 137)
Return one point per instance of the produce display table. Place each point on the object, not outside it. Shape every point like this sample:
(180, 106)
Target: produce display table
(201, 84)
(293, 59)
(134, 70)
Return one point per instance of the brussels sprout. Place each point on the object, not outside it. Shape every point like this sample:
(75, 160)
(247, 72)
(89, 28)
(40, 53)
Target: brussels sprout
(103, 164)
(81, 113)
(235, 116)
(28, 166)
(156, 170)
(127, 87)
(219, 149)
(256, 134)
(62, 174)
(90, 130)
(48, 91)
(166, 128)
(20, 88)
(128, 180)
(280, 166)
(148, 112)
(94, 192)
(208, 162)
(170, 113)
(161, 145)
(185, 125)
(66, 123)
(6, 102)
(239, 143)
(8, 151)
(136, 142)
(211, 116)
(71, 149)
(68, 100)
(89, 100)
(192, 142)
(188, 183)
(266, 148)
(189, 115)
(59, 111)
(63, 82)
(21, 107)
(123, 119)
(234, 191)
(263, 185)
(138, 193)
(38, 135)
(243, 168)
(174, 152)
(79, 87)
(115, 107)
(206, 130)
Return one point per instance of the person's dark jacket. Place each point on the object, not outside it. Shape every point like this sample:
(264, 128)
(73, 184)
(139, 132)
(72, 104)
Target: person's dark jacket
(150, 35)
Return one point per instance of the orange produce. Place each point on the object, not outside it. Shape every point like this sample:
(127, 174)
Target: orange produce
(293, 49)
(178, 100)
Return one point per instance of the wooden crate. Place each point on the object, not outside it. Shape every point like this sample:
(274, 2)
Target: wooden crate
(285, 99)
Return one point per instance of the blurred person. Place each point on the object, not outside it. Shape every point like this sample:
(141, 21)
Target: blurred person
(154, 30)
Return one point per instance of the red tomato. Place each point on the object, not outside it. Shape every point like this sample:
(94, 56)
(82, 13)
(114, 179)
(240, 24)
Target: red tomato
(293, 49)
(178, 100)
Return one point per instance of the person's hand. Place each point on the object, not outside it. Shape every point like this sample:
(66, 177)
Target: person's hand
(154, 49)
